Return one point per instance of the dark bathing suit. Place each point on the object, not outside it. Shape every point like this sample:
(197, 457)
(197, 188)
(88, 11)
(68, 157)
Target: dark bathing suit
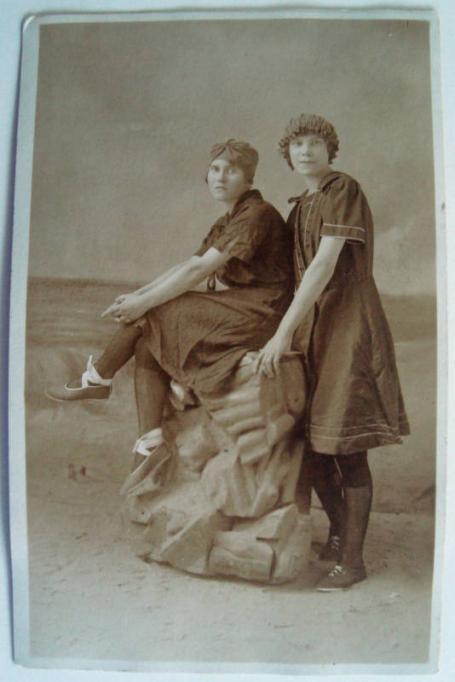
(355, 398)
(199, 338)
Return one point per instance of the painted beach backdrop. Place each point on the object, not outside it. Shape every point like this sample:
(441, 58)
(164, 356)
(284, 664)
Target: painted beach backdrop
(126, 114)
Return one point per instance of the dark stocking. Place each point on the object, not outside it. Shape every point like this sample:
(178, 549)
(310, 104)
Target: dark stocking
(324, 477)
(151, 384)
(118, 351)
(358, 493)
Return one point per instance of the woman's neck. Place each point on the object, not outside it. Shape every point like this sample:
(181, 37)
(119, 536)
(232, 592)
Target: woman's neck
(230, 205)
(312, 182)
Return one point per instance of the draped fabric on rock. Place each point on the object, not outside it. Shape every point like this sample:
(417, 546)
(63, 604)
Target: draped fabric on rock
(355, 398)
(218, 496)
(199, 338)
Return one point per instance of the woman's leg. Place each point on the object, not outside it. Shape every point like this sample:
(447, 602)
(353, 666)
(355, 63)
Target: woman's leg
(96, 381)
(358, 493)
(151, 385)
(118, 351)
(322, 474)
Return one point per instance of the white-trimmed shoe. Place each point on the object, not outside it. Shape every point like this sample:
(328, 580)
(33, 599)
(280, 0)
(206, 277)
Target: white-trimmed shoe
(341, 578)
(92, 387)
(148, 442)
(154, 453)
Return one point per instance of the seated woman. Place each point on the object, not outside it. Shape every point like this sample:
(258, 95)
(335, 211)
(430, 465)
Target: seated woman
(199, 338)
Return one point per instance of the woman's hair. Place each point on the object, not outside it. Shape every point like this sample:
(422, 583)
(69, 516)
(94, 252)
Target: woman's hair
(307, 124)
(238, 153)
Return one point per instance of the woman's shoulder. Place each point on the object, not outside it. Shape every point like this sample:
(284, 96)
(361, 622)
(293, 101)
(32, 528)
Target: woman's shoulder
(257, 208)
(344, 200)
(342, 189)
(337, 181)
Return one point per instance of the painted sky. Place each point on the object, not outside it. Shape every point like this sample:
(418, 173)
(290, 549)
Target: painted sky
(127, 112)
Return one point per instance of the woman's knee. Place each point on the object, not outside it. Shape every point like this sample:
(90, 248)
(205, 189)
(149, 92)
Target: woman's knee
(355, 470)
(318, 466)
(146, 362)
(143, 356)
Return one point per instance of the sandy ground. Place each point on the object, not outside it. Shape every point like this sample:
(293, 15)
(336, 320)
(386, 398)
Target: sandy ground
(91, 598)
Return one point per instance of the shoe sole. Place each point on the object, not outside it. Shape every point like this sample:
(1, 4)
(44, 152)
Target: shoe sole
(340, 588)
(75, 398)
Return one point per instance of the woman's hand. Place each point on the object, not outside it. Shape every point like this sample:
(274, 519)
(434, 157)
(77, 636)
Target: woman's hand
(127, 308)
(268, 360)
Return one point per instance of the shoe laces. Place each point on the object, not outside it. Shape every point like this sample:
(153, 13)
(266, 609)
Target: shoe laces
(334, 542)
(336, 571)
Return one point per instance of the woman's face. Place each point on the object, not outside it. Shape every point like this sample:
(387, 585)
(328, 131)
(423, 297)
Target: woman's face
(309, 155)
(226, 181)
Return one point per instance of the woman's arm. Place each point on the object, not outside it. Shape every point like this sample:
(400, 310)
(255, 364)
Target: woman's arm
(159, 279)
(174, 283)
(313, 283)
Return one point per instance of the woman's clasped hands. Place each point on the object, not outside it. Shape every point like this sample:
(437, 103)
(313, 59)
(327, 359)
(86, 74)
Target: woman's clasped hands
(127, 308)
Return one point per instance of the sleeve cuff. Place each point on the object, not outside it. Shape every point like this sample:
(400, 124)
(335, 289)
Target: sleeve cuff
(349, 232)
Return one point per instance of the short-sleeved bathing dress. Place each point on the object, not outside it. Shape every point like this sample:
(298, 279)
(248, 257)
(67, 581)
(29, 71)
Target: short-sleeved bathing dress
(200, 337)
(355, 398)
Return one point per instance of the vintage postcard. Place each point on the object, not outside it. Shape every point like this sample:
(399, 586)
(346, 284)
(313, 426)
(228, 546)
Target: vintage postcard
(226, 434)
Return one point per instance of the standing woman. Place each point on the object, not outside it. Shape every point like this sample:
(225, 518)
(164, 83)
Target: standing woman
(336, 319)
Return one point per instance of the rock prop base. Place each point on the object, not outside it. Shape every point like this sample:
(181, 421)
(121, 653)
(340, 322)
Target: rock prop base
(218, 498)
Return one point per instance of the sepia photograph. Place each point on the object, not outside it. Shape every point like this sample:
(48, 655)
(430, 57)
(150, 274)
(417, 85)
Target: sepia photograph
(225, 293)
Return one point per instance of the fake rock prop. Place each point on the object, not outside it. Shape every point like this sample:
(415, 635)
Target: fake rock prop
(219, 497)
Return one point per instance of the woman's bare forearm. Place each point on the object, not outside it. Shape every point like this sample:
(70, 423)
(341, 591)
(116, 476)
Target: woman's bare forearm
(314, 281)
(310, 289)
(181, 279)
(159, 280)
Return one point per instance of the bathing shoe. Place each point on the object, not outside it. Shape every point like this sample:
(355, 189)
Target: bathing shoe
(92, 387)
(148, 442)
(341, 577)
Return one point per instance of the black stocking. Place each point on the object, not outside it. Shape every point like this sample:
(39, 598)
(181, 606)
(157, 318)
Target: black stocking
(358, 494)
(118, 351)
